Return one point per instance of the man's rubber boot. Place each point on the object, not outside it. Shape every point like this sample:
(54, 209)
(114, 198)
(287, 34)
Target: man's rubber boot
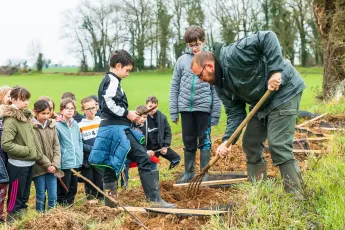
(111, 190)
(205, 156)
(290, 173)
(189, 167)
(150, 183)
(257, 172)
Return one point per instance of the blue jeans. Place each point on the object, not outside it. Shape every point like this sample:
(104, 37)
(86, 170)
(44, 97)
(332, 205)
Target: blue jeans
(43, 183)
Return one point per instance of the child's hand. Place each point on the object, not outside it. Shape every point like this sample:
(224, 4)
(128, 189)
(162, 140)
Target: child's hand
(51, 169)
(150, 153)
(176, 121)
(164, 151)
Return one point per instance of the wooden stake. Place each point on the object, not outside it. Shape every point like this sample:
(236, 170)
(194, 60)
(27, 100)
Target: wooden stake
(313, 139)
(175, 210)
(306, 151)
(109, 197)
(330, 129)
(215, 182)
(310, 121)
(185, 211)
(236, 173)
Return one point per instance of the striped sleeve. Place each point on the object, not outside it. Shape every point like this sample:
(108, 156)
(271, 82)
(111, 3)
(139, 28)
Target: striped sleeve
(112, 92)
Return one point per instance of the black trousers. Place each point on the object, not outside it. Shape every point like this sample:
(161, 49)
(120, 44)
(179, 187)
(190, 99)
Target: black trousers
(196, 130)
(171, 155)
(138, 153)
(71, 182)
(20, 179)
(95, 175)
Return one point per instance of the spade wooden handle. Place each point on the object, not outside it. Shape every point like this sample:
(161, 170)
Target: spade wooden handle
(238, 130)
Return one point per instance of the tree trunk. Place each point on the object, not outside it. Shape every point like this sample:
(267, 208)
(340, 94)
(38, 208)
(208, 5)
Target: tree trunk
(330, 17)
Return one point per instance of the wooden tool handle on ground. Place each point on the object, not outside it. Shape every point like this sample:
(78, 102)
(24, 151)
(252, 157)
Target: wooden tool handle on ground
(238, 130)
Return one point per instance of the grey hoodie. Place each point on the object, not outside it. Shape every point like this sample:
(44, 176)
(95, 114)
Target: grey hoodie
(189, 94)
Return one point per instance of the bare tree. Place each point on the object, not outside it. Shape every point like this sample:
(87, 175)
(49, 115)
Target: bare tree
(164, 19)
(300, 9)
(179, 44)
(34, 49)
(138, 18)
(75, 36)
(283, 24)
(195, 13)
(227, 14)
(330, 18)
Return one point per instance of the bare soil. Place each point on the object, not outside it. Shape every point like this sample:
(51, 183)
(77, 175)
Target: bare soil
(97, 216)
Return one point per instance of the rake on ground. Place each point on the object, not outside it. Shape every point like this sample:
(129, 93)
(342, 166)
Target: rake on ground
(194, 184)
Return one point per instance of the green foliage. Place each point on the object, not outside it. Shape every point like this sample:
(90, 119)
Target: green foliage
(39, 62)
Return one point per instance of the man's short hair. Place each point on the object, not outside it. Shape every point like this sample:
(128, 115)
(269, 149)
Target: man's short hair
(202, 58)
(141, 109)
(152, 99)
(193, 33)
(86, 100)
(68, 95)
(122, 57)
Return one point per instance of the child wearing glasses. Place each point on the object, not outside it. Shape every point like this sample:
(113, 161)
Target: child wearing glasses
(197, 103)
(89, 128)
(71, 147)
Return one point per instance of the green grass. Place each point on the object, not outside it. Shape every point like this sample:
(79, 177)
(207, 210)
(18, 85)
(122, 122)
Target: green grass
(266, 206)
(61, 70)
(138, 86)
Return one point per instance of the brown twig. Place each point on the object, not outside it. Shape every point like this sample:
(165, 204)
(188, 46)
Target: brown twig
(310, 121)
(109, 197)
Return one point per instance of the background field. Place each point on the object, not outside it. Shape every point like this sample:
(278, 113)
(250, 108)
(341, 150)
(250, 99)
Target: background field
(138, 86)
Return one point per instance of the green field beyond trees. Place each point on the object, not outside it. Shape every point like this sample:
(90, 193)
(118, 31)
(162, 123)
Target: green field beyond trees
(138, 86)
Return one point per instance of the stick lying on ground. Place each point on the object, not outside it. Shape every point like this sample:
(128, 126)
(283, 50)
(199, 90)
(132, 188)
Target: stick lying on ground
(313, 139)
(306, 151)
(311, 120)
(184, 211)
(109, 197)
(215, 182)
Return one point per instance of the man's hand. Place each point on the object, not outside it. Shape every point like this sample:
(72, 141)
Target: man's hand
(150, 153)
(176, 121)
(223, 151)
(164, 151)
(133, 116)
(274, 82)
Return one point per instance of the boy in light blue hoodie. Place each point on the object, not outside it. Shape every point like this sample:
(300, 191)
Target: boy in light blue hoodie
(71, 146)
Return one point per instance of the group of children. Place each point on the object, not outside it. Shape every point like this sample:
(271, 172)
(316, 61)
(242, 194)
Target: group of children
(43, 146)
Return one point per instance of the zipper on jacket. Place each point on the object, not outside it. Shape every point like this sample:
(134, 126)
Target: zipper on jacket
(75, 157)
(192, 95)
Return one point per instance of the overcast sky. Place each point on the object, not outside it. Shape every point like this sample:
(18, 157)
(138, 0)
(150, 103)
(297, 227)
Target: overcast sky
(24, 21)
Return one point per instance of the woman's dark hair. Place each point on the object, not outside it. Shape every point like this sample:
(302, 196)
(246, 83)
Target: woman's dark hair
(122, 57)
(20, 93)
(41, 105)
